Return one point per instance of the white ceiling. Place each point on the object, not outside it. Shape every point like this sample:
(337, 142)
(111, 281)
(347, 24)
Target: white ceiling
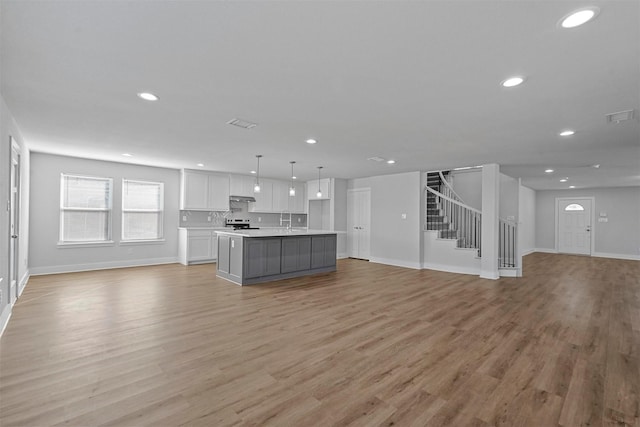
(418, 82)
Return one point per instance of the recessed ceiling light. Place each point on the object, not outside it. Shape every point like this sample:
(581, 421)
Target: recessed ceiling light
(391, 162)
(311, 141)
(564, 180)
(201, 164)
(147, 96)
(597, 166)
(127, 155)
(579, 17)
(253, 171)
(567, 132)
(294, 177)
(548, 170)
(572, 186)
(513, 81)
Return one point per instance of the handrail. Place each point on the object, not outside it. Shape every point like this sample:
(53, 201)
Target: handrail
(454, 201)
(443, 179)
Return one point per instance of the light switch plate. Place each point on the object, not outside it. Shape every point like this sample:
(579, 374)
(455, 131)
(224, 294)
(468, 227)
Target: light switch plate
(404, 216)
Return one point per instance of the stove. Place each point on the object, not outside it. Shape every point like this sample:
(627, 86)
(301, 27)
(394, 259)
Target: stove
(240, 224)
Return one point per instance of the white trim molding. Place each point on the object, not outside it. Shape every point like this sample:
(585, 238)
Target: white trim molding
(4, 318)
(23, 282)
(72, 268)
(616, 256)
(546, 250)
(396, 262)
(451, 268)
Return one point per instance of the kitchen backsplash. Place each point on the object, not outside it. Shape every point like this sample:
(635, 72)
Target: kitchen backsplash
(201, 219)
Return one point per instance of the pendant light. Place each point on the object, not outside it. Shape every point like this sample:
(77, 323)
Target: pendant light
(292, 189)
(256, 188)
(319, 193)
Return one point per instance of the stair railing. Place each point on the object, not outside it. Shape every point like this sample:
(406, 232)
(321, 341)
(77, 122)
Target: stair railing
(467, 221)
(507, 244)
(448, 189)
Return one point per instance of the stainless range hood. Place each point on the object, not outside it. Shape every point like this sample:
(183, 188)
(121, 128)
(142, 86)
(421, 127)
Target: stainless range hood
(242, 199)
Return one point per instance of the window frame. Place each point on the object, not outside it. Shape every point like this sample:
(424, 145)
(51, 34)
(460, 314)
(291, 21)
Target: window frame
(108, 209)
(160, 212)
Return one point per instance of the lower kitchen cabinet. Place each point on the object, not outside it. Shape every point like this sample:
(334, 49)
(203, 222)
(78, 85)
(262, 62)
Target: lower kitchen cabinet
(323, 251)
(261, 257)
(296, 254)
(197, 246)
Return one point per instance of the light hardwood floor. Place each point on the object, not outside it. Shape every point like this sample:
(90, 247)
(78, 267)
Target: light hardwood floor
(367, 345)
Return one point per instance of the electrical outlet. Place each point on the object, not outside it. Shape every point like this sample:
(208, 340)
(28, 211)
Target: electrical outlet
(299, 219)
(209, 219)
(259, 219)
(404, 216)
(184, 217)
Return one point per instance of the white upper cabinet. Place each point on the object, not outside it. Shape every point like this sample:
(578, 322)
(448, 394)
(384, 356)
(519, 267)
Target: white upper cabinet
(325, 188)
(280, 196)
(242, 185)
(204, 191)
(298, 203)
(264, 199)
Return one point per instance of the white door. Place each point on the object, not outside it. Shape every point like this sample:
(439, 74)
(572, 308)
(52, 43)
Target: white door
(574, 226)
(358, 223)
(14, 217)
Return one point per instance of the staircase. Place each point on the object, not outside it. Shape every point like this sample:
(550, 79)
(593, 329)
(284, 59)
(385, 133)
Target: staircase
(435, 219)
(447, 214)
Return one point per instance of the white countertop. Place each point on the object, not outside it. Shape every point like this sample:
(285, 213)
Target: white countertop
(276, 232)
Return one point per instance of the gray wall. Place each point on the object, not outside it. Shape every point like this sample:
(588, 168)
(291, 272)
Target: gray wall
(47, 257)
(468, 185)
(619, 236)
(395, 240)
(527, 220)
(508, 197)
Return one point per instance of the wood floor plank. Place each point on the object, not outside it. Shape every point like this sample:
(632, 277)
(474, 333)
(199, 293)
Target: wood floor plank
(369, 344)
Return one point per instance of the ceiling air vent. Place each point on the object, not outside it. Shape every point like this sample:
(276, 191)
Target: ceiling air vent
(376, 159)
(620, 116)
(242, 123)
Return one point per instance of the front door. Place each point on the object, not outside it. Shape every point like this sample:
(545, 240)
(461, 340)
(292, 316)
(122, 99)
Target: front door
(574, 226)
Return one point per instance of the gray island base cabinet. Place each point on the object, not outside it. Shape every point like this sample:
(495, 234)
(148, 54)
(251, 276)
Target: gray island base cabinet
(256, 256)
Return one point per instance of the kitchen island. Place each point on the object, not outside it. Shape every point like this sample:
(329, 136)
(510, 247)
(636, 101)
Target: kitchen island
(246, 257)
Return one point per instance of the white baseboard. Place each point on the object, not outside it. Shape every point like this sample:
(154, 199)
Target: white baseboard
(491, 275)
(451, 268)
(528, 251)
(509, 272)
(546, 250)
(342, 256)
(72, 268)
(616, 256)
(4, 318)
(396, 262)
(23, 282)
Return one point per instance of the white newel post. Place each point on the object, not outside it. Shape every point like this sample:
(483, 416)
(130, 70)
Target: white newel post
(490, 211)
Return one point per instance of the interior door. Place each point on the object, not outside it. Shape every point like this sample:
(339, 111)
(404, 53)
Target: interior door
(14, 218)
(364, 237)
(574, 226)
(358, 223)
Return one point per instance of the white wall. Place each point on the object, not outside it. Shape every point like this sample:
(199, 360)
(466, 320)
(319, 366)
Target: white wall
(394, 240)
(509, 188)
(9, 128)
(47, 257)
(468, 185)
(527, 220)
(619, 237)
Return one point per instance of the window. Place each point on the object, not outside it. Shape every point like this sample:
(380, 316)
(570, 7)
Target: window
(574, 207)
(142, 209)
(85, 209)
